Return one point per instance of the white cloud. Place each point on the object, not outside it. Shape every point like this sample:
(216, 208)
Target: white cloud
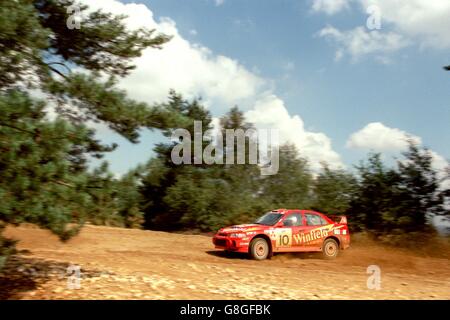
(330, 7)
(194, 70)
(403, 22)
(360, 42)
(219, 2)
(425, 21)
(270, 112)
(439, 162)
(191, 69)
(379, 137)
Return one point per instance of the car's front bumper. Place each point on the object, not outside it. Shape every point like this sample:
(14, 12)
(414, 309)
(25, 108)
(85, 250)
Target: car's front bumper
(230, 244)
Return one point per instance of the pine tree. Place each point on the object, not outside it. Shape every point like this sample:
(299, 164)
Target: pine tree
(421, 194)
(38, 182)
(333, 191)
(373, 206)
(399, 201)
(291, 186)
(43, 163)
(164, 185)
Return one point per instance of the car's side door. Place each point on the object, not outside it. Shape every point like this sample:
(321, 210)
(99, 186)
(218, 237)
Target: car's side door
(287, 233)
(314, 231)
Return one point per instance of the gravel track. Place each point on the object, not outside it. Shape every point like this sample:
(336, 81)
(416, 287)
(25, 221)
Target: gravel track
(134, 264)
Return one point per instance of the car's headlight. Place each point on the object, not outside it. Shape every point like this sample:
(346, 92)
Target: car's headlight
(237, 235)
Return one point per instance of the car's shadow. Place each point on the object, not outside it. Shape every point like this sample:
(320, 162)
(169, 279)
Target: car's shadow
(228, 255)
(278, 256)
(22, 274)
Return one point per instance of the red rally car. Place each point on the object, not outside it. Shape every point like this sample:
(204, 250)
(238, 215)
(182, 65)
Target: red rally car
(286, 230)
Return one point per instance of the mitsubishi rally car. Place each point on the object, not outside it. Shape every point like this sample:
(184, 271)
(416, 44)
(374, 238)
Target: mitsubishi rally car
(286, 230)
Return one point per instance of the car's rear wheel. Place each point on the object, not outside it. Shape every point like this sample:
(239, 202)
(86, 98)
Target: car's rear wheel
(330, 249)
(259, 249)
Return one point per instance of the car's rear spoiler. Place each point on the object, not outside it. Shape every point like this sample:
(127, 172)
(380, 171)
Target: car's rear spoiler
(339, 219)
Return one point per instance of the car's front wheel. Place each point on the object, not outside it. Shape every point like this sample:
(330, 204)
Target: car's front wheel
(259, 249)
(330, 249)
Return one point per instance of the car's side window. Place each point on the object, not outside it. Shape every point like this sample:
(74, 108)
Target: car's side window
(313, 219)
(293, 220)
(323, 220)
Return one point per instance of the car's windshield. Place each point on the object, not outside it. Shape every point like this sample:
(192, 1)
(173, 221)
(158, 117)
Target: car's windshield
(269, 219)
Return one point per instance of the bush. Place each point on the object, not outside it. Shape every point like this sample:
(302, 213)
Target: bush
(7, 248)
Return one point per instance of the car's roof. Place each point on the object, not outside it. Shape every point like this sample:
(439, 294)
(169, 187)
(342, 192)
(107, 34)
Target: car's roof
(284, 211)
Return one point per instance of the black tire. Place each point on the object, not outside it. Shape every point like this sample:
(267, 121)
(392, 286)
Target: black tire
(330, 249)
(259, 249)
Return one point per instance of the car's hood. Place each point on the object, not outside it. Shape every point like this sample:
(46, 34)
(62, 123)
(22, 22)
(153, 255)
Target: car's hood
(242, 228)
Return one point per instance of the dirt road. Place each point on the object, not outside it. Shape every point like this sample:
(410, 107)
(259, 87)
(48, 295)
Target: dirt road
(134, 264)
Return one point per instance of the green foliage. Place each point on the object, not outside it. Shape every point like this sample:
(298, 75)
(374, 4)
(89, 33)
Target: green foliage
(115, 202)
(7, 248)
(130, 199)
(190, 198)
(104, 193)
(394, 202)
(163, 174)
(40, 178)
(334, 190)
(22, 38)
(291, 186)
(206, 197)
(38, 183)
(101, 102)
(43, 164)
(69, 65)
(102, 43)
(372, 205)
(398, 201)
(420, 192)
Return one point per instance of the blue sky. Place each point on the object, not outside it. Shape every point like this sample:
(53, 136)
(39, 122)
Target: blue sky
(399, 84)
